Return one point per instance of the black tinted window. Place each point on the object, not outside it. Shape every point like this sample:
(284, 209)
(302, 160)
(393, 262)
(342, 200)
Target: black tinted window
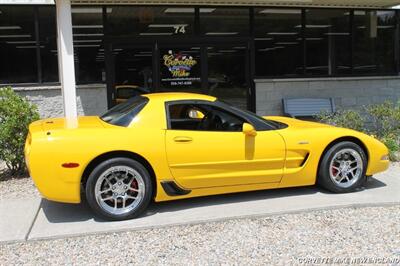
(122, 114)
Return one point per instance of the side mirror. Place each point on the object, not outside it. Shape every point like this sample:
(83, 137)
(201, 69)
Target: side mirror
(249, 130)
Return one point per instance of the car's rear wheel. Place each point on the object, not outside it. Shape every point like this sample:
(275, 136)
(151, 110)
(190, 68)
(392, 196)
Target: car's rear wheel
(119, 189)
(343, 168)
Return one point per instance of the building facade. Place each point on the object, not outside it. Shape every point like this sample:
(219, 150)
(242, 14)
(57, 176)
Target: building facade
(252, 54)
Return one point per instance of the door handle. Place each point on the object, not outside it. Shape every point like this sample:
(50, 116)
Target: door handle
(183, 139)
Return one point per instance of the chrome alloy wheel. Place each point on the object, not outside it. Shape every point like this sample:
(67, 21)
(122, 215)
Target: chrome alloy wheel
(346, 168)
(119, 190)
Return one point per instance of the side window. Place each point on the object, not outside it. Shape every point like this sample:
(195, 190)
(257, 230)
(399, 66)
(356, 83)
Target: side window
(203, 117)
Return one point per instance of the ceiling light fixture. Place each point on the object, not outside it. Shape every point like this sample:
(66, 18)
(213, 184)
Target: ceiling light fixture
(263, 39)
(28, 47)
(21, 42)
(155, 33)
(282, 33)
(221, 33)
(207, 10)
(86, 45)
(280, 11)
(314, 26)
(10, 27)
(227, 51)
(179, 10)
(87, 26)
(266, 49)
(166, 25)
(16, 36)
(311, 39)
(87, 34)
(89, 10)
(86, 41)
(187, 10)
(356, 13)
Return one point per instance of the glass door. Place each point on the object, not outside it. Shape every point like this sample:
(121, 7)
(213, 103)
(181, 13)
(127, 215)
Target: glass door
(220, 70)
(180, 68)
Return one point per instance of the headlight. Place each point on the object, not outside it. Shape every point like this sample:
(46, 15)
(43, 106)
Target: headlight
(385, 158)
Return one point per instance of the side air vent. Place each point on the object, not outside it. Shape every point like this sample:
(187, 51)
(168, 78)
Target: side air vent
(172, 189)
(305, 160)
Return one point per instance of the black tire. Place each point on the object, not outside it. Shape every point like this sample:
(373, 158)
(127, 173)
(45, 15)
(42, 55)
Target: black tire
(102, 168)
(324, 172)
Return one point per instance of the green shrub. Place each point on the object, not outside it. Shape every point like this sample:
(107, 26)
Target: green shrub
(385, 125)
(379, 120)
(392, 142)
(16, 113)
(384, 118)
(343, 118)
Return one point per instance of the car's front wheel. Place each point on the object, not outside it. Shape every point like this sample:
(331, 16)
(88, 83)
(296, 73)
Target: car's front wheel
(343, 168)
(119, 189)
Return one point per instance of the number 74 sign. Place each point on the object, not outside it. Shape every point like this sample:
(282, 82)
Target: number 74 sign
(180, 29)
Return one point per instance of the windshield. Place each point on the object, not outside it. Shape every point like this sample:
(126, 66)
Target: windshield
(123, 114)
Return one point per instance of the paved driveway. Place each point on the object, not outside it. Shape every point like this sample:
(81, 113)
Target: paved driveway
(40, 219)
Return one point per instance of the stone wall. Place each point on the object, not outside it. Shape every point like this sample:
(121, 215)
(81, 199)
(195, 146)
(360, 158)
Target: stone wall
(91, 99)
(349, 93)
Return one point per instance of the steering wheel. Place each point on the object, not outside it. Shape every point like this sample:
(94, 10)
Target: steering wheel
(206, 121)
(211, 121)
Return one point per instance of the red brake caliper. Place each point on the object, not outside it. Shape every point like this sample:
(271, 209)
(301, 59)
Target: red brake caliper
(134, 184)
(334, 171)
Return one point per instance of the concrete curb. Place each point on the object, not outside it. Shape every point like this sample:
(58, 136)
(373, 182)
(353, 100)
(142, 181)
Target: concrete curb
(265, 215)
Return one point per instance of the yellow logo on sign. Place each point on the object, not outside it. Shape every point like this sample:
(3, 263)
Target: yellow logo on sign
(179, 64)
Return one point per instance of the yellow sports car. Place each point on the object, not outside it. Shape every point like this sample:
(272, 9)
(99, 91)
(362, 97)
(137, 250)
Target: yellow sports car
(169, 146)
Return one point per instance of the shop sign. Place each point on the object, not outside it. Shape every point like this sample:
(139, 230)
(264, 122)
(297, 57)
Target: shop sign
(180, 68)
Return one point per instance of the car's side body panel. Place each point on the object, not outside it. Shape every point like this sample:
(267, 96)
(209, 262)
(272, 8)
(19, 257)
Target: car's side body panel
(214, 159)
(282, 158)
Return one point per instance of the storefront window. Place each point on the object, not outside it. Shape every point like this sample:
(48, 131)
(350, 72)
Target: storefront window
(180, 69)
(150, 21)
(328, 41)
(374, 38)
(18, 46)
(278, 42)
(224, 21)
(134, 67)
(48, 42)
(227, 74)
(87, 26)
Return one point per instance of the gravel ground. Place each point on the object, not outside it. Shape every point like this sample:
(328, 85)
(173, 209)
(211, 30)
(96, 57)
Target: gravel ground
(14, 187)
(351, 233)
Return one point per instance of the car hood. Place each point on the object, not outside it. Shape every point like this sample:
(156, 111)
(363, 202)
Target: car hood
(296, 123)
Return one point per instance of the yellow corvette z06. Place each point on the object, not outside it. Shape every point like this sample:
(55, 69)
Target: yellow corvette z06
(169, 146)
